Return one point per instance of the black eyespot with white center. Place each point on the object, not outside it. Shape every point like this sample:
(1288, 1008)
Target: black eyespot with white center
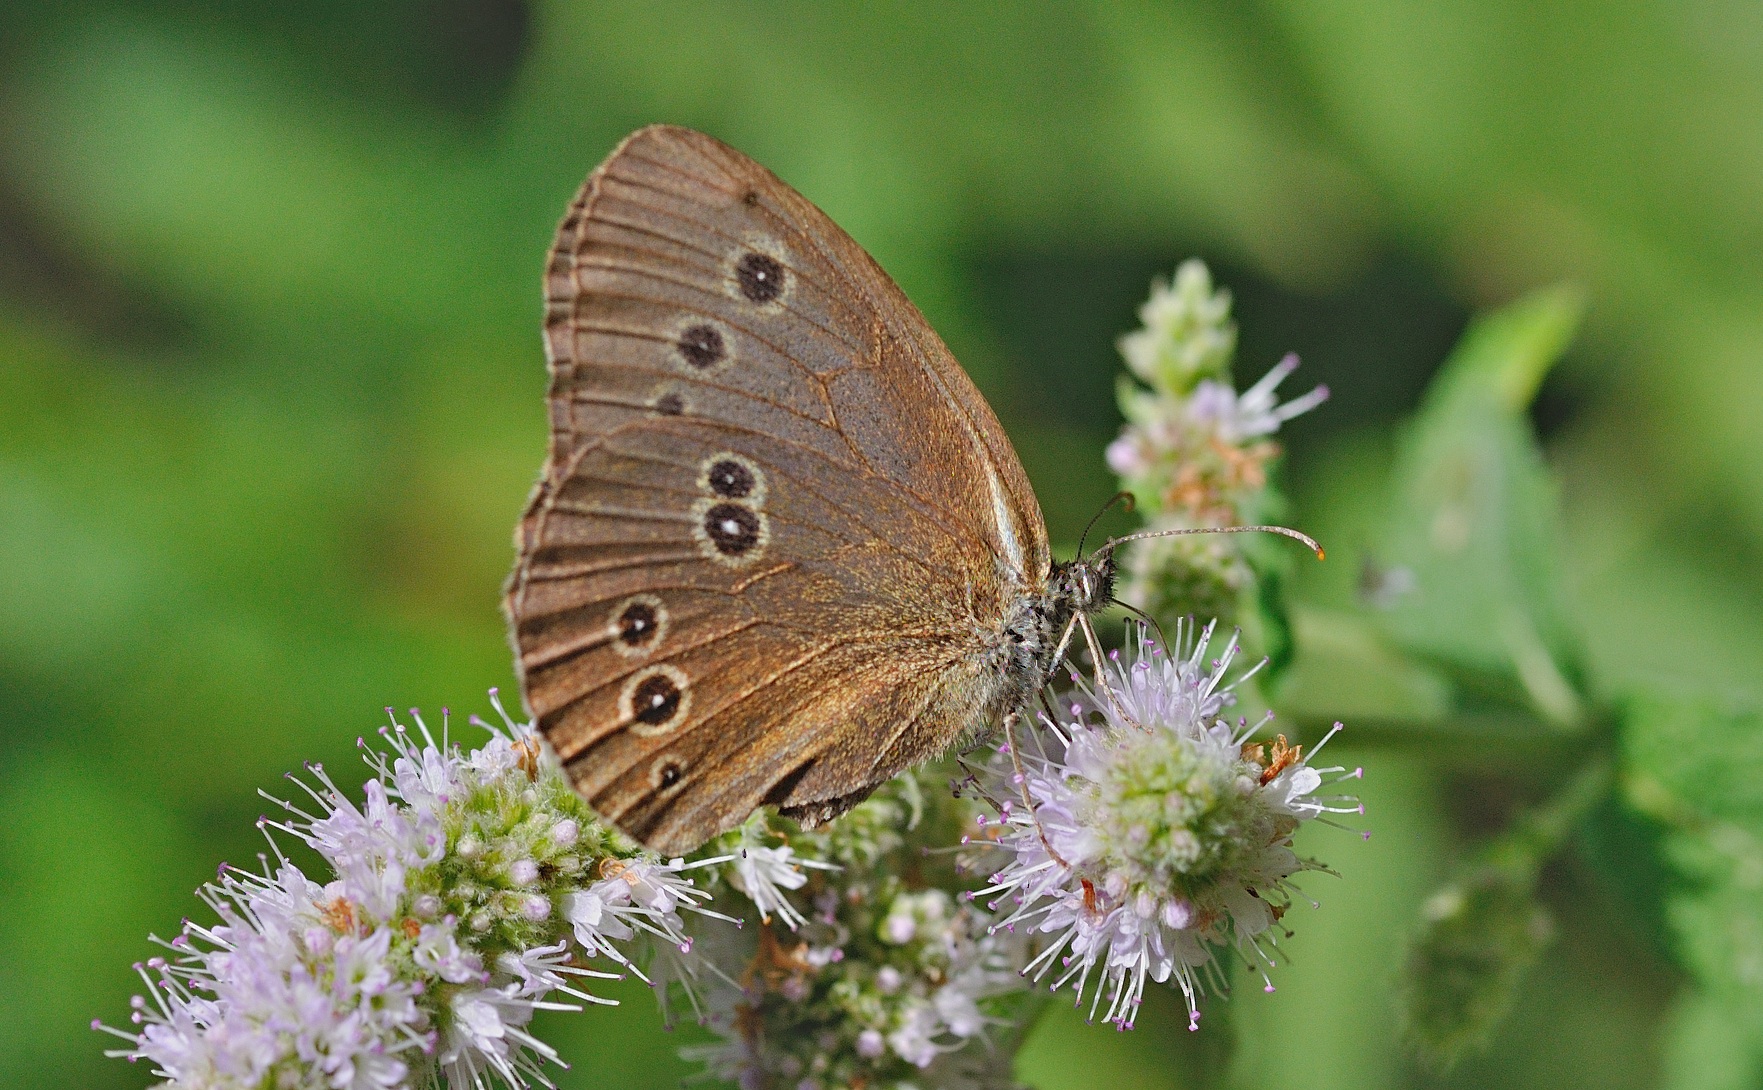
(666, 772)
(637, 625)
(730, 479)
(760, 277)
(726, 475)
(703, 346)
(731, 528)
(655, 700)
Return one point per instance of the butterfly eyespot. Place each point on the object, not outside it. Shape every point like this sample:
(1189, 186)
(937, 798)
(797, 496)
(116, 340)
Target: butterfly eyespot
(703, 346)
(666, 772)
(750, 198)
(730, 476)
(638, 624)
(760, 277)
(670, 404)
(732, 528)
(731, 533)
(731, 480)
(656, 700)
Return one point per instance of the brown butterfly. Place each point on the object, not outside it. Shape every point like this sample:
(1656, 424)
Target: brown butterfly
(781, 548)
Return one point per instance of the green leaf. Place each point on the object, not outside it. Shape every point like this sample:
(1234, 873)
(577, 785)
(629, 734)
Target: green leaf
(1698, 770)
(1707, 760)
(1474, 520)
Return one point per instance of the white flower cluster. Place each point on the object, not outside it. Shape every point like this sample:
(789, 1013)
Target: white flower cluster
(1146, 832)
(927, 1014)
(471, 889)
(1186, 333)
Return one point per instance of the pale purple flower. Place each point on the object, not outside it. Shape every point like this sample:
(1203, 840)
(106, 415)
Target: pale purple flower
(1217, 408)
(763, 873)
(914, 1040)
(274, 989)
(487, 1034)
(436, 950)
(399, 971)
(1144, 832)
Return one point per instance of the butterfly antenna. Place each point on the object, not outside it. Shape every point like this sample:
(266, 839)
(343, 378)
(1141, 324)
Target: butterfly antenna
(1118, 497)
(1295, 535)
(1146, 617)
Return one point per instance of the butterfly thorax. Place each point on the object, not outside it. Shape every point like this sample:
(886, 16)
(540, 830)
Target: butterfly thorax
(1036, 624)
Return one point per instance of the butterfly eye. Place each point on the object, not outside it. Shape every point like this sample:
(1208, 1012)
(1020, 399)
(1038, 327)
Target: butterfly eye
(760, 276)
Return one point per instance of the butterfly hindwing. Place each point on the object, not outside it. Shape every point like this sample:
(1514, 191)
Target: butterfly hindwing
(776, 518)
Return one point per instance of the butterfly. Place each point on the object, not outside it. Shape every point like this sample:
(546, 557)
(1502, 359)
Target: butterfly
(781, 548)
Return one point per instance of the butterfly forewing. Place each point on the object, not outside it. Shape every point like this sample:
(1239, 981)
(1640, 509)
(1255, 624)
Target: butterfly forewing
(776, 522)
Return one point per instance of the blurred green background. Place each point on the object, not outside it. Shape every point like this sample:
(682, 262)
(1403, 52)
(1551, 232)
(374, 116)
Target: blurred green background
(271, 395)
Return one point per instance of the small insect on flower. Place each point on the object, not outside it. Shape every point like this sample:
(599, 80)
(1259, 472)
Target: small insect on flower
(1144, 832)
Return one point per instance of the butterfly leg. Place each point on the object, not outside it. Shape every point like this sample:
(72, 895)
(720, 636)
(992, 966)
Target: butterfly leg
(1102, 678)
(1021, 779)
(1064, 645)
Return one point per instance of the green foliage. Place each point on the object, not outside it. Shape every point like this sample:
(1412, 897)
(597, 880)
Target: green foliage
(1695, 768)
(1474, 520)
(270, 394)
(1481, 934)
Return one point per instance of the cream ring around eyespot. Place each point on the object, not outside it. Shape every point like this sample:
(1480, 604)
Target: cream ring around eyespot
(759, 273)
(729, 531)
(655, 700)
(659, 778)
(720, 475)
(668, 399)
(637, 625)
(701, 345)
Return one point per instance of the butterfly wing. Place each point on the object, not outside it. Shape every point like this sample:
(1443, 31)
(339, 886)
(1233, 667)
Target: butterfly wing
(778, 529)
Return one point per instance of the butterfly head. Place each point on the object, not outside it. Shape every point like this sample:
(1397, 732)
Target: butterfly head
(1084, 584)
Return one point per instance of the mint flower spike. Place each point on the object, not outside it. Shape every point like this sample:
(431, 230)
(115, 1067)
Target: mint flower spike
(1171, 440)
(1146, 833)
(1187, 333)
(471, 889)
